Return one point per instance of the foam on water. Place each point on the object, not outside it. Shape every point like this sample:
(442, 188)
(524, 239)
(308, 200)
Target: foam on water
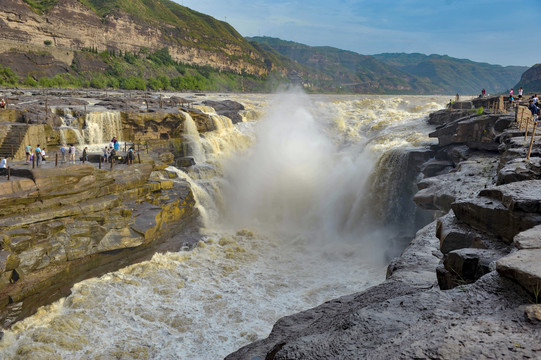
(282, 201)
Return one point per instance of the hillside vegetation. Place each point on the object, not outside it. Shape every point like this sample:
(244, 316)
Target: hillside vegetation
(194, 51)
(450, 75)
(346, 71)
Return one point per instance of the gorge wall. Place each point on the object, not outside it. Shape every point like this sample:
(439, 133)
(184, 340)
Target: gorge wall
(71, 26)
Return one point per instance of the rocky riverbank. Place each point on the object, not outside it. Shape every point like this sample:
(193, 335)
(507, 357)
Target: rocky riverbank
(468, 285)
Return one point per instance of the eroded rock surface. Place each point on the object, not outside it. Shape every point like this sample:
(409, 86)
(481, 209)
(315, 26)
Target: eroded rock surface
(66, 224)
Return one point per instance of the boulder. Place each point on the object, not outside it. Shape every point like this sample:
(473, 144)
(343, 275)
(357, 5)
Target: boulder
(504, 210)
(445, 116)
(520, 169)
(439, 192)
(227, 108)
(454, 235)
(465, 266)
(524, 267)
(477, 131)
(528, 239)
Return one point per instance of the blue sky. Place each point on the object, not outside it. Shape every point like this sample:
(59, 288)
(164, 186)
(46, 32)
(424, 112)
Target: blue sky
(492, 31)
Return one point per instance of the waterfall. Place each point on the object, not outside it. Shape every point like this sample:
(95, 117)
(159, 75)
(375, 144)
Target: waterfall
(191, 135)
(100, 127)
(298, 208)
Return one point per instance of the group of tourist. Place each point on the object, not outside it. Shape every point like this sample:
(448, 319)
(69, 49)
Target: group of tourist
(3, 104)
(110, 152)
(512, 97)
(68, 153)
(71, 151)
(38, 154)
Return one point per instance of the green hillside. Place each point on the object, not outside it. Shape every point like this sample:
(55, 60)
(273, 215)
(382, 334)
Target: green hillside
(531, 80)
(340, 70)
(254, 64)
(450, 75)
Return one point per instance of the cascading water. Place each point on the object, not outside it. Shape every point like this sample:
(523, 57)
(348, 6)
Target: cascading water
(98, 128)
(285, 201)
(192, 140)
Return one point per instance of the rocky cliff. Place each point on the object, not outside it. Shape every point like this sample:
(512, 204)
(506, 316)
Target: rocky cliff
(531, 79)
(69, 26)
(467, 287)
(61, 225)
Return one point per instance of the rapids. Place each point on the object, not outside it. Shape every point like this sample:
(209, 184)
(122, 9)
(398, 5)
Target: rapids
(288, 211)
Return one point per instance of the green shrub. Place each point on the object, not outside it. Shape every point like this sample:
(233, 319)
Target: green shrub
(48, 42)
(30, 81)
(8, 76)
(98, 82)
(132, 83)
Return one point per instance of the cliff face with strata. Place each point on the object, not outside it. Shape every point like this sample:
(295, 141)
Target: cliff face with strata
(70, 25)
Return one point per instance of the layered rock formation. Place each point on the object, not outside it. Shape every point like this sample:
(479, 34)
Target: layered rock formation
(62, 225)
(69, 26)
(468, 285)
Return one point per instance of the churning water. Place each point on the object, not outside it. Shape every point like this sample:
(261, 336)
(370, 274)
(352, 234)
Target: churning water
(291, 221)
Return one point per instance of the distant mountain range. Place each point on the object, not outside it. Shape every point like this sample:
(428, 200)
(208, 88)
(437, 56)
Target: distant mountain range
(160, 44)
(451, 75)
(396, 73)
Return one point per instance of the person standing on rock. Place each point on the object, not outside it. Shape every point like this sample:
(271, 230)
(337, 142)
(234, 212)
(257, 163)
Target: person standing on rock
(72, 153)
(535, 110)
(28, 150)
(63, 152)
(106, 154)
(43, 156)
(131, 155)
(37, 152)
(520, 95)
(85, 154)
(4, 166)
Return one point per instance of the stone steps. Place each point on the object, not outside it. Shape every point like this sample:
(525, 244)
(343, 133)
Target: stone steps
(13, 140)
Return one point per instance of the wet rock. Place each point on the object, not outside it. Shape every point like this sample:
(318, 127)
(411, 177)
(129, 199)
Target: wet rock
(439, 192)
(445, 116)
(503, 210)
(434, 167)
(533, 312)
(465, 266)
(185, 162)
(227, 108)
(529, 239)
(477, 131)
(524, 267)
(520, 169)
(454, 235)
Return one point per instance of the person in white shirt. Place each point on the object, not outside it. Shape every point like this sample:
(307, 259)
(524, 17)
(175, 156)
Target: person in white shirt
(4, 166)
